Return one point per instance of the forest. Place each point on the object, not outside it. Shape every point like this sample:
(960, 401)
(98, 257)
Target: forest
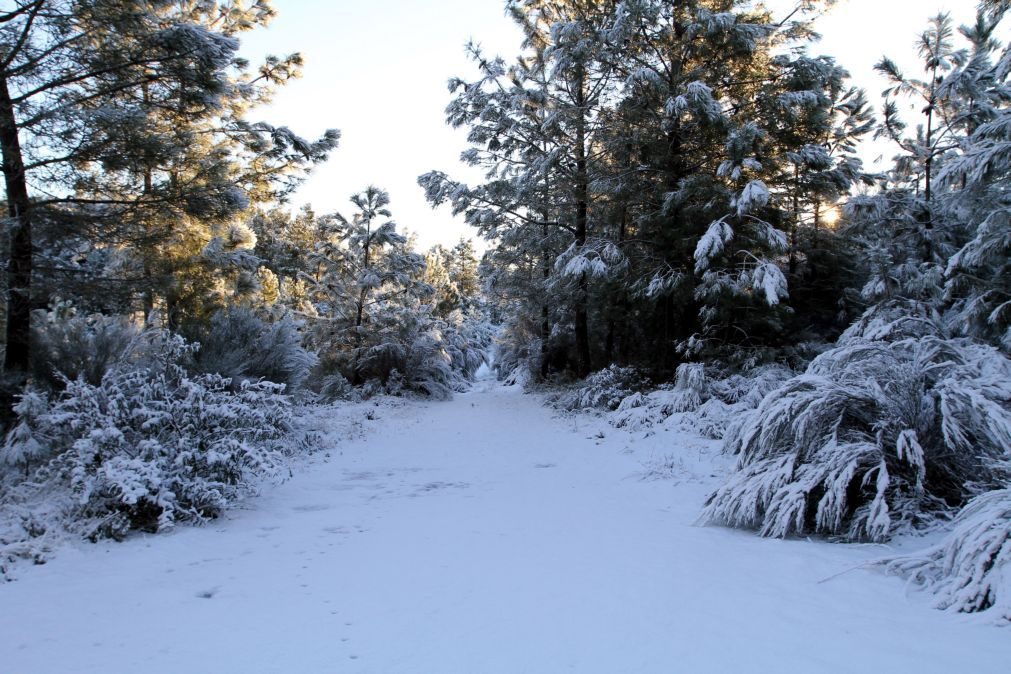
(678, 224)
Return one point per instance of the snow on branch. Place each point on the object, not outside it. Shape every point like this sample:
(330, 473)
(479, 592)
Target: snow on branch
(711, 245)
(874, 437)
(970, 569)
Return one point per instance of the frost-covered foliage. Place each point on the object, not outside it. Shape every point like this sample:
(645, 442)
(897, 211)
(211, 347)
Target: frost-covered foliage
(875, 437)
(690, 387)
(605, 389)
(22, 449)
(519, 353)
(643, 410)
(70, 345)
(705, 402)
(382, 315)
(148, 446)
(444, 358)
(241, 346)
(732, 397)
(970, 570)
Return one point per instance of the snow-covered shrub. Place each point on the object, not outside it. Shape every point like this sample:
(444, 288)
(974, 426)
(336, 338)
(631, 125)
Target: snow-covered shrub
(605, 389)
(689, 387)
(970, 570)
(430, 367)
(875, 436)
(895, 320)
(704, 402)
(332, 386)
(733, 397)
(640, 411)
(714, 417)
(749, 388)
(69, 345)
(467, 339)
(518, 358)
(444, 358)
(241, 346)
(150, 445)
(22, 449)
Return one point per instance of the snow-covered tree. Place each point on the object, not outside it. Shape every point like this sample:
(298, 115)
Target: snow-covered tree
(908, 418)
(366, 285)
(126, 145)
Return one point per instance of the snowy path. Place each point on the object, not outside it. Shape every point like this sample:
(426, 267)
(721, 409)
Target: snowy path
(480, 535)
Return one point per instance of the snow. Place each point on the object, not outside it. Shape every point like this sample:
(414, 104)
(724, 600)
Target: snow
(484, 534)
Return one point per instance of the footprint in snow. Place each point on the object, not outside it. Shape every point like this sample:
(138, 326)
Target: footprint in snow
(317, 507)
(344, 530)
(438, 486)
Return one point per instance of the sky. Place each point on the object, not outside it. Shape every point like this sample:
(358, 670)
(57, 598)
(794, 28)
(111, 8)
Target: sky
(377, 71)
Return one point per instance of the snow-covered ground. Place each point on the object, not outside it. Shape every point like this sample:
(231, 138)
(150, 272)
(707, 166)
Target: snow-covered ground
(480, 535)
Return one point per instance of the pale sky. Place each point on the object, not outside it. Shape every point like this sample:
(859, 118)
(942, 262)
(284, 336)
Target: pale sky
(377, 70)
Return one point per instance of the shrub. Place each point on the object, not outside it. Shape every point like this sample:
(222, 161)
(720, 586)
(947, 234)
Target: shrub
(875, 436)
(69, 346)
(605, 389)
(707, 404)
(443, 359)
(150, 445)
(242, 347)
(970, 570)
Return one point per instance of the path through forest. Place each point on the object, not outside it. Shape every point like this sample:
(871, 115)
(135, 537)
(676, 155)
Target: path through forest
(484, 534)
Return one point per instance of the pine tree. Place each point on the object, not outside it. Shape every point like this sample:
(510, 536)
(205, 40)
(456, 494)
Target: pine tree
(366, 285)
(133, 112)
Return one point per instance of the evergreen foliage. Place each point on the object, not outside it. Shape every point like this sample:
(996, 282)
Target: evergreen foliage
(655, 175)
(876, 437)
(968, 570)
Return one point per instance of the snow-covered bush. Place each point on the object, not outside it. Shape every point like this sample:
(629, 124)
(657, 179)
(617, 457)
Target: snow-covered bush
(749, 388)
(874, 437)
(430, 367)
(22, 450)
(641, 411)
(443, 358)
(704, 402)
(970, 570)
(69, 345)
(690, 386)
(733, 397)
(468, 339)
(331, 386)
(241, 346)
(147, 447)
(605, 389)
(644, 410)
(518, 357)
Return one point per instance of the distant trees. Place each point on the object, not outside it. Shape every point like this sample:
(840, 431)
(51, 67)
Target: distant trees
(361, 277)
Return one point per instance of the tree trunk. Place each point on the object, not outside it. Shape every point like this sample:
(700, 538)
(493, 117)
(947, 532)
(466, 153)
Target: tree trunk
(582, 205)
(545, 310)
(795, 221)
(19, 269)
(363, 298)
(928, 216)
